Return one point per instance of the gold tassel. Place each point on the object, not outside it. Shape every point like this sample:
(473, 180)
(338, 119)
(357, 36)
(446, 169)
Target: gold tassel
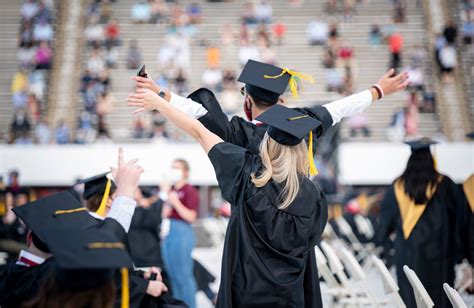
(103, 204)
(125, 290)
(293, 83)
(60, 212)
(312, 166)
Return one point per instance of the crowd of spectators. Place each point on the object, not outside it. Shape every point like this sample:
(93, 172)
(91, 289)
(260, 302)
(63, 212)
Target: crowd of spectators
(29, 83)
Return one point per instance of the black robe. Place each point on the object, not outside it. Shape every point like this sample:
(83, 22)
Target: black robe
(269, 258)
(144, 236)
(437, 242)
(19, 284)
(241, 132)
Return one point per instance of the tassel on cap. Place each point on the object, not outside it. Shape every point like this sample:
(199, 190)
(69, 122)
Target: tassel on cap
(103, 203)
(313, 171)
(293, 82)
(125, 297)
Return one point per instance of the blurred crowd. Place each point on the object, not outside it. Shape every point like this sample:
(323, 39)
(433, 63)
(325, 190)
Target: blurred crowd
(29, 84)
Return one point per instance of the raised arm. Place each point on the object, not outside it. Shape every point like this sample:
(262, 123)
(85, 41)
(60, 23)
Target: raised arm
(146, 99)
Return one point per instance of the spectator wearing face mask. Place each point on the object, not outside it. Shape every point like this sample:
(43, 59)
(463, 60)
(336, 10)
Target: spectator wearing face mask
(178, 245)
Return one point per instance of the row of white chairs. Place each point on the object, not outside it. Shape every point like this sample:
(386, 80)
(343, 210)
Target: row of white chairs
(354, 290)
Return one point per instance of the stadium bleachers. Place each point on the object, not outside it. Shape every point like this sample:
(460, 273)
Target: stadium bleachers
(295, 52)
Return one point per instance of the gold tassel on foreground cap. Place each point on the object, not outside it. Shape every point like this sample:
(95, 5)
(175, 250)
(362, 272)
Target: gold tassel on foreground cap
(61, 212)
(125, 296)
(125, 290)
(293, 83)
(312, 166)
(103, 204)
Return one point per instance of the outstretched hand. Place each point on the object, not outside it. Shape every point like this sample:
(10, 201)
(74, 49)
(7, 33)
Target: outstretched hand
(145, 99)
(146, 83)
(126, 176)
(393, 84)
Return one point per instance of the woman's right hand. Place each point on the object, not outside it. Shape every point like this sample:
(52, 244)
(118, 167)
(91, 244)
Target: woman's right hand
(145, 99)
(146, 83)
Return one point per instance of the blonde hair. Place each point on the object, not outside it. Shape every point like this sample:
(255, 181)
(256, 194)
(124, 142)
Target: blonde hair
(282, 164)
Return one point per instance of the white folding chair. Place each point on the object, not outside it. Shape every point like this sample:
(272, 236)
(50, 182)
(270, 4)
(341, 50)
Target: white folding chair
(389, 284)
(454, 296)
(346, 230)
(3, 258)
(335, 264)
(422, 297)
(324, 270)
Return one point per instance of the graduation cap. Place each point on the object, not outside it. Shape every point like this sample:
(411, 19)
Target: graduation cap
(98, 184)
(267, 82)
(420, 144)
(47, 213)
(88, 259)
(289, 127)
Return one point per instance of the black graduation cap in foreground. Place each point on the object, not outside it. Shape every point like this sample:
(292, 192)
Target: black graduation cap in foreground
(420, 144)
(86, 259)
(95, 185)
(60, 210)
(289, 127)
(267, 82)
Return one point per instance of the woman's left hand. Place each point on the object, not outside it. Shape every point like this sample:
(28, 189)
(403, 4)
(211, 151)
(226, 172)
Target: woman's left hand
(145, 99)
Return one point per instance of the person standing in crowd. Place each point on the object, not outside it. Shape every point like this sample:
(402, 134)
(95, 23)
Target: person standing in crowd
(395, 43)
(178, 245)
(425, 210)
(266, 260)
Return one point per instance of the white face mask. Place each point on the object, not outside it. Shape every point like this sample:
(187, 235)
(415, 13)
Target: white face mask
(175, 175)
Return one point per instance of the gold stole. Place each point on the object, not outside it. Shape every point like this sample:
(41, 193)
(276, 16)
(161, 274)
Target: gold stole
(409, 211)
(468, 188)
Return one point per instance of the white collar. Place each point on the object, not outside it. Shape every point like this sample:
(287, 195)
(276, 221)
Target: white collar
(29, 256)
(95, 215)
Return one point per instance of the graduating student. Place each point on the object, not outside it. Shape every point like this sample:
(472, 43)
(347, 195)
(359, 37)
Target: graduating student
(21, 280)
(426, 212)
(85, 266)
(278, 214)
(264, 86)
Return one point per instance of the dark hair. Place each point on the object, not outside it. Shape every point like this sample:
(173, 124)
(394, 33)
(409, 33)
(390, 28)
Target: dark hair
(93, 203)
(51, 295)
(419, 173)
(260, 103)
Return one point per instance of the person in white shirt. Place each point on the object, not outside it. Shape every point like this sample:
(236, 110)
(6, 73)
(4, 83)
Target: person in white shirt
(317, 32)
(212, 78)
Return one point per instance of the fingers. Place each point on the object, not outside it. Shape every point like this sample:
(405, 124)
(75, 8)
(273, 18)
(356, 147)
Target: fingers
(165, 288)
(137, 96)
(140, 79)
(403, 85)
(132, 162)
(120, 157)
(389, 73)
(114, 172)
(138, 110)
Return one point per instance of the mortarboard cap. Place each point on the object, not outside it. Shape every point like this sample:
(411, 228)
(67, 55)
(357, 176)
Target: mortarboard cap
(95, 185)
(267, 82)
(420, 144)
(48, 212)
(289, 127)
(99, 184)
(87, 259)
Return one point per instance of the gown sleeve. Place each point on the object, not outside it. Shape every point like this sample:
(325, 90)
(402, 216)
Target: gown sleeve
(388, 217)
(462, 221)
(236, 130)
(233, 166)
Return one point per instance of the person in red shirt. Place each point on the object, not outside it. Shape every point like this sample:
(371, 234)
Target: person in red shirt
(112, 33)
(279, 31)
(396, 44)
(178, 245)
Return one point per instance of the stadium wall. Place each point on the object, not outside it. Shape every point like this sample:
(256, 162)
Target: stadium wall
(359, 163)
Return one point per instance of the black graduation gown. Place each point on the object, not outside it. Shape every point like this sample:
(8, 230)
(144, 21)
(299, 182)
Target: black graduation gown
(435, 244)
(144, 236)
(241, 132)
(202, 276)
(269, 258)
(19, 284)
